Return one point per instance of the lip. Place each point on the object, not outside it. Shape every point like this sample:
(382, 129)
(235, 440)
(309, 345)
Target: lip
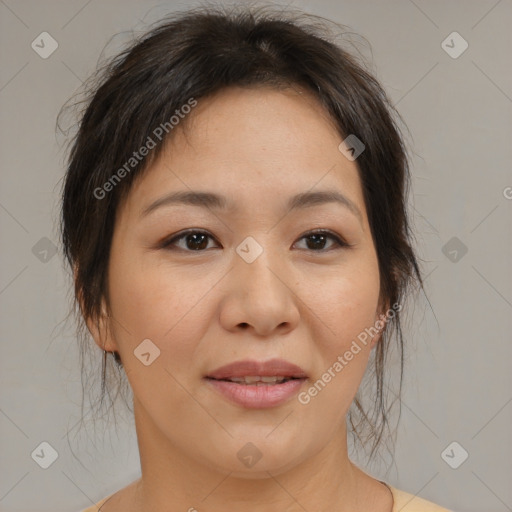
(247, 368)
(257, 396)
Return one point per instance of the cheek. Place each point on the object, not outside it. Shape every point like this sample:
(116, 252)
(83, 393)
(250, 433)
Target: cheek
(347, 303)
(156, 304)
(160, 304)
(345, 308)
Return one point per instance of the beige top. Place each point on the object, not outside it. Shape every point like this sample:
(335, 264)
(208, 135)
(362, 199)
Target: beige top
(402, 502)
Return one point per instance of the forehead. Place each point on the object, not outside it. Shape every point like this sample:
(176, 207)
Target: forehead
(255, 146)
(259, 120)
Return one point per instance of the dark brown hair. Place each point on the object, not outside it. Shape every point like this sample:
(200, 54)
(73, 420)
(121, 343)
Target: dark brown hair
(193, 54)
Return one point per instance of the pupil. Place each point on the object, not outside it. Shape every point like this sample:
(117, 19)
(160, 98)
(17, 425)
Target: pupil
(196, 236)
(319, 238)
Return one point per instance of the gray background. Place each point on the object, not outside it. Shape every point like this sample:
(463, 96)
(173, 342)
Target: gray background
(458, 379)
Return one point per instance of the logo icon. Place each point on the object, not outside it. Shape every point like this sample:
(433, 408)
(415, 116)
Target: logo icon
(454, 45)
(454, 455)
(454, 249)
(45, 455)
(249, 455)
(44, 45)
(44, 250)
(249, 249)
(146, 352)
(351, 147)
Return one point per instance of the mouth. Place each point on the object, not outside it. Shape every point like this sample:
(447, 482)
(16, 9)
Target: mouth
(257, 385)
(258, 380)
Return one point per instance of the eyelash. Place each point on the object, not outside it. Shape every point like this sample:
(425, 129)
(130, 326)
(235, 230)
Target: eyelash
(168, 244)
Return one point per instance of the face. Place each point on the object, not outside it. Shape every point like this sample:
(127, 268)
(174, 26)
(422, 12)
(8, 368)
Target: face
(252, 280)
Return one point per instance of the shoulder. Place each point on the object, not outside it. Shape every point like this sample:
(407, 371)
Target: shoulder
(122, 499)
(97, 507)
(405, 502)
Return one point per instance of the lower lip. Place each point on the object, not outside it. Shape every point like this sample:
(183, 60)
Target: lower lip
(257, 397)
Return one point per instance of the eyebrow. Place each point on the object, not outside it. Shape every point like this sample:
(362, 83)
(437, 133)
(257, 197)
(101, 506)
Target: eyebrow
(214, 201)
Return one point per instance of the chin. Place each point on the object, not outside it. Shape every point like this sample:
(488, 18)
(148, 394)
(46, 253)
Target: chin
(258, 460)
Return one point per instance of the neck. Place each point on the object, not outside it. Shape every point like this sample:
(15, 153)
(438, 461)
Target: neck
(172, 480)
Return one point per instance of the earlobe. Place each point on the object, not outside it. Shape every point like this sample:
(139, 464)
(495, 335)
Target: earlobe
(380, 325)
(99, 327)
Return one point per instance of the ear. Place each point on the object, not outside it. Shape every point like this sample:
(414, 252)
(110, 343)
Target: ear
(99, 327)
(380, 323)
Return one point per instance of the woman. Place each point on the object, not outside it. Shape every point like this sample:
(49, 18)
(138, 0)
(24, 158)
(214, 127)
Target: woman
(234, 213)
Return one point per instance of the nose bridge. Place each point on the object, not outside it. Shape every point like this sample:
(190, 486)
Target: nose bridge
(258, 295)
(260, 275)
(257, 263)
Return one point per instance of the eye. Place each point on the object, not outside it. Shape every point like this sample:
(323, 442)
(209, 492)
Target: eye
(196, 240)
(318, 239)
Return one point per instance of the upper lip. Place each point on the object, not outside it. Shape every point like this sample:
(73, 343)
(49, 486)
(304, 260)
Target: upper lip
(249, 368)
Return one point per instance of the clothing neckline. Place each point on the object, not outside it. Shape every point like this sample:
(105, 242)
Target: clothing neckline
(104, 500)
(392, 495)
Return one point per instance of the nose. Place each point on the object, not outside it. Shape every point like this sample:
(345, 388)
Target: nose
(260, 296)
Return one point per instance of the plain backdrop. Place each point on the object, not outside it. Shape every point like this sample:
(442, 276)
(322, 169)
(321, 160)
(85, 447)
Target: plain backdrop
(458, 393)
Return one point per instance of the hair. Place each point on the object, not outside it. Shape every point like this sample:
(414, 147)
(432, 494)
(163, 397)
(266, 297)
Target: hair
(194, 54)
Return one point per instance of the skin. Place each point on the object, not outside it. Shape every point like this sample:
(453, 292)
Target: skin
(204, 309)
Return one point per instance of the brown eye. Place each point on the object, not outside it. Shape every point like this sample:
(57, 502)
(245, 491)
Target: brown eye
(317, 240)
(193, 241)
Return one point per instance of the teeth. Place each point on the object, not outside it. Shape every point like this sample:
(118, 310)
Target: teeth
(258, 380)
(271, 379)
